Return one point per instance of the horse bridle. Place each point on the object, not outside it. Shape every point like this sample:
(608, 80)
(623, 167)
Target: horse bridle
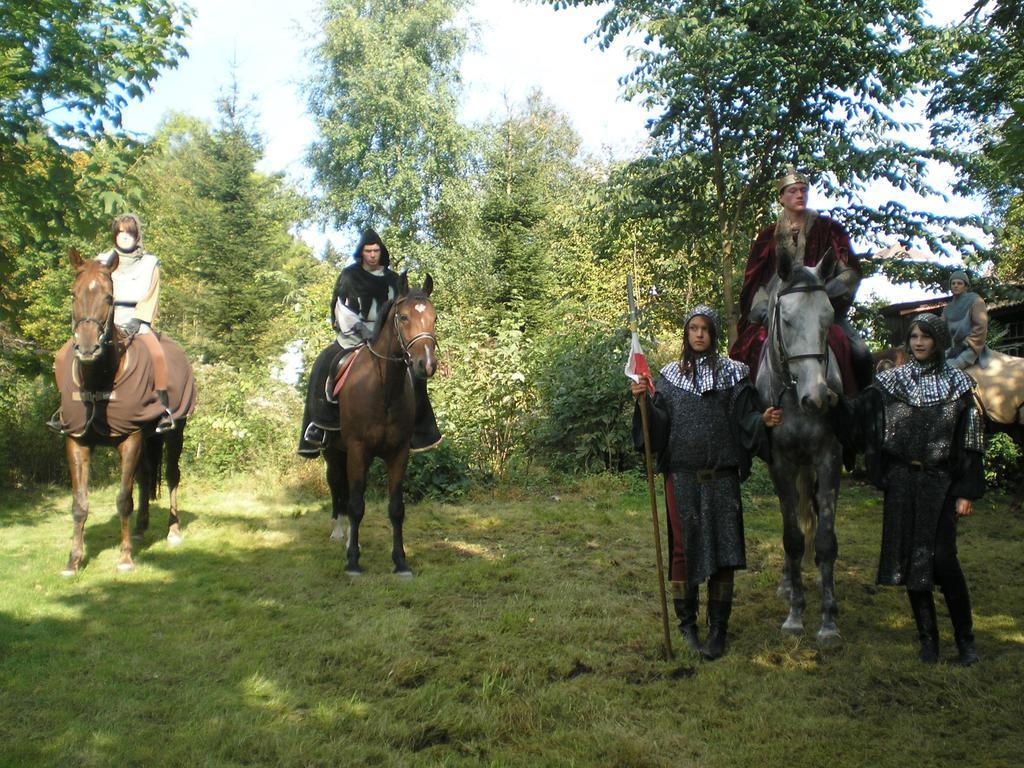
(105, 326)
(784, 356)
(406, 345)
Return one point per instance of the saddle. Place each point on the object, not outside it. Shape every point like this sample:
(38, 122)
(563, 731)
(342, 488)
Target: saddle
(132, 403)
(340, 367)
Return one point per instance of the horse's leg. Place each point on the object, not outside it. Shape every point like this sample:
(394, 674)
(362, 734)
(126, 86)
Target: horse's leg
(78, 464)
(396, 509)
(784, 476)
(131, 456)
(174, 441)
(337, 481)
(145, 476)
(826, 547)
(356, 465)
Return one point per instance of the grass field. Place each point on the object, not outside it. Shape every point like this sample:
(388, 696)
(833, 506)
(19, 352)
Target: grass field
(529, 637)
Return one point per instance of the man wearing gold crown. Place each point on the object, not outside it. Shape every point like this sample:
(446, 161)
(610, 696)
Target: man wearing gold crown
(806, 235)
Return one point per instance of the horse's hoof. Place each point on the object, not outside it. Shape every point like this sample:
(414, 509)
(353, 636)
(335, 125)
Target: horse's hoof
(68, 572)
(793, 627)
(337, 535)
(137, 535)
(125, 567)
(829, 637)
(406, 574)
(353, 573)
(174, 539)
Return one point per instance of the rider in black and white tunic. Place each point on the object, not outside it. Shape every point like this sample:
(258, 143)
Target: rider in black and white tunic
(360, 293)
(705, 424)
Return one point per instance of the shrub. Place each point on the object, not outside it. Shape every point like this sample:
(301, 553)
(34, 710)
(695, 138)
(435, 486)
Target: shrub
(244, 420)
(1002, 458)
(440, 474)
(583, 404)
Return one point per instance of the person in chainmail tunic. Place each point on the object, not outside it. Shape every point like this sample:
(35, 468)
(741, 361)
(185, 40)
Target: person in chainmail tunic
(705, 424)
(923, 441)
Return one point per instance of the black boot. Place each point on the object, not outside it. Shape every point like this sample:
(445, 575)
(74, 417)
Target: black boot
(958, 601)
(719, 609)
(686, 611)
(425, 434)
(166, 423)
(922, 604)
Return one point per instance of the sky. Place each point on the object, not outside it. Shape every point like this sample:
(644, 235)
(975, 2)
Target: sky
(519, 46)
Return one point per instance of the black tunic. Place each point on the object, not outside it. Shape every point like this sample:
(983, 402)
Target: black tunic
(704, 444)
(923, 456)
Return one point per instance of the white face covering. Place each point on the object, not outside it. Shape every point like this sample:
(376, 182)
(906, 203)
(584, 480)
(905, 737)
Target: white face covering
(124, 241)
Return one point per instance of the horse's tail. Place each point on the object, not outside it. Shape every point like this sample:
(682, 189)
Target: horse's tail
(806, 512)
(153, 457)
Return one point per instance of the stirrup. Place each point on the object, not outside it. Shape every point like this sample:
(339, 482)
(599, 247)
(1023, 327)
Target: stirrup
(315, 435)
(166, 423)
(56, 423)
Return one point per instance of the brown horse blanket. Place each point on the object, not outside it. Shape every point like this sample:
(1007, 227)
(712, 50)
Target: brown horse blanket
(133, 403)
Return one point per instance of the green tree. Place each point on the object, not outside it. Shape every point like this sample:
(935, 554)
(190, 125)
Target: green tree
(745, 87)
(67, 70)
(384, 97)
(223, 233)
(530, 164)
(978, 113)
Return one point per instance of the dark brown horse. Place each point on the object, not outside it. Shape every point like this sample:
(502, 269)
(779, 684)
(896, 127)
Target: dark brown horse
(99, 349)
(378, 411)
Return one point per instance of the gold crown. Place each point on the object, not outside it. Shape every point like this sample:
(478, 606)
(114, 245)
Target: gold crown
(791, 176)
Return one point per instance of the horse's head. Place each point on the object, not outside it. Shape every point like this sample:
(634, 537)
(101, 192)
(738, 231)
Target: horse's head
(92, 306)
(414, 319)
(801, 316)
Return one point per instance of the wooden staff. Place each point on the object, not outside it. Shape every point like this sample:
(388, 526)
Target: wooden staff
(650, 487)
(657, 527)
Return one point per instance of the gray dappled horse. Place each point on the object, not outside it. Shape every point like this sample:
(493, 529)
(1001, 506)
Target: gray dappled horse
(799, 373)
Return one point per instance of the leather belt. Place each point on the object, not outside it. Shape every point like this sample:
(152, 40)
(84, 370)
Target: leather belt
(707, 475)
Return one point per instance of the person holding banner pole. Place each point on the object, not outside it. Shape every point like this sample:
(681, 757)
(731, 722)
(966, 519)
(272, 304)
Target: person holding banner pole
(705, 424)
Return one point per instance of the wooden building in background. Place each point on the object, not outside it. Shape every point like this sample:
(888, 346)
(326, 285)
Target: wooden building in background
(1008, 316)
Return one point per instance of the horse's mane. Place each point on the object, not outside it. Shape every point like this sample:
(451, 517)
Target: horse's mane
(802, 275)
(382, 316)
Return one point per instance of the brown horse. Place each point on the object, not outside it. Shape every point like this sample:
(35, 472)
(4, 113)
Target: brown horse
(378, 411)
(99, 349)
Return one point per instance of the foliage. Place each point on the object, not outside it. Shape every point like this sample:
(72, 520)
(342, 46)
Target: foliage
(978, 114)
(530, 636)
(1002, 461)
(244, 422)
(28, 451)
(384, 98)
(483, 399)
(68, 68)
(440, 474)
(745, 87)
(222, 230)
(583, 404)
